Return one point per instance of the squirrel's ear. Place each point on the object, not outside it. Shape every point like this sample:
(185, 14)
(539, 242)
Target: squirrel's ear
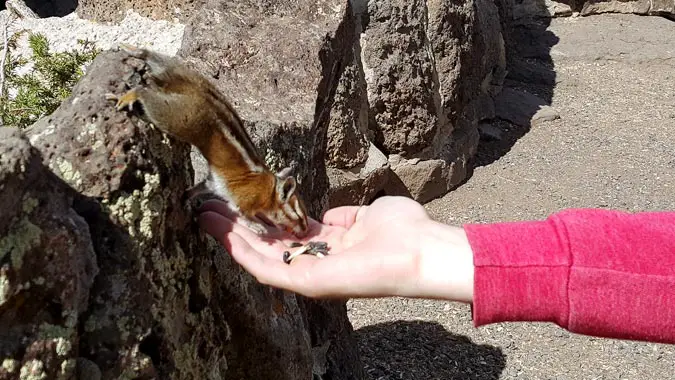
(285, 172)
(285, 188)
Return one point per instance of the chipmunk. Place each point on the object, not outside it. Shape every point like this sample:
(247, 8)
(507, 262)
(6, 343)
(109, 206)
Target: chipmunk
(184, 104)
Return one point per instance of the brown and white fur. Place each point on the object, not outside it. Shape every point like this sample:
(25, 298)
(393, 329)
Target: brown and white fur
(183, 103)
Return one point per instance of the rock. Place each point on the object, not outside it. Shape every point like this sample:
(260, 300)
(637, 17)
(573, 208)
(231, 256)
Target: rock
(276, 83)
(522, 108)
(425, 180)
(552, 8)
(20, 9)
(537, 8)
(490, 131)
(168, 302)
(114, 10)
(48, 265)
(432, 69)
(641, 7)
(399, 73)
(405, 77)
(63, 33)
(359, 186)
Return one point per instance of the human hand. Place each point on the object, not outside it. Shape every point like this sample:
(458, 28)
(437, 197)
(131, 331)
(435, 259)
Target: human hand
(390, 248)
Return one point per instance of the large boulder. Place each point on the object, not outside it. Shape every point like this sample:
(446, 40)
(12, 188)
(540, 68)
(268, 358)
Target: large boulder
(47, 266)
(407, 81)
(105, 273)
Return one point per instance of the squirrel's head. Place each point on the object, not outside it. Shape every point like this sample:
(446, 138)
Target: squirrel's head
(289, 212)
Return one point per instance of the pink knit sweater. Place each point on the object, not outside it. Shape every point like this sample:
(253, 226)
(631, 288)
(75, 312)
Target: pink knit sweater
(593, 272)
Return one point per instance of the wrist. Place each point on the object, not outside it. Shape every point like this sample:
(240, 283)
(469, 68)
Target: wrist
(444, 267)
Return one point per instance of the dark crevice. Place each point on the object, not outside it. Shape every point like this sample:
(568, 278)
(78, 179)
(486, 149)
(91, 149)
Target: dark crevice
(52, 8)
(151, 346)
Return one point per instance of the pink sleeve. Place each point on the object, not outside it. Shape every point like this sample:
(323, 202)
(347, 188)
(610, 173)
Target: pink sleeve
(594, 272)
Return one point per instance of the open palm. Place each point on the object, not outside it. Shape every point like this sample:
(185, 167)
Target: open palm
(373, 249)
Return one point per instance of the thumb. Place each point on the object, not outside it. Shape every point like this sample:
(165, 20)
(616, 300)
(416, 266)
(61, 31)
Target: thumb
(344, 216)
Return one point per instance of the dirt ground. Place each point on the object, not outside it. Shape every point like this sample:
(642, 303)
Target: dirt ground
(612, 147)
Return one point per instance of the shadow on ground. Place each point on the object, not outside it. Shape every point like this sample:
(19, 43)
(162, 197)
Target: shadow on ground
(528, 89)
(424, 350)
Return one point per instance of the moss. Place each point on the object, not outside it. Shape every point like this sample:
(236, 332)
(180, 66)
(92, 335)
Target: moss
(21, 237)
(150, 205)
(272, 160)
(123, 327)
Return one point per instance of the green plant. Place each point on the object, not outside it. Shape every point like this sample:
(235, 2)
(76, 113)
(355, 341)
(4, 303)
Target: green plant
(27, 97)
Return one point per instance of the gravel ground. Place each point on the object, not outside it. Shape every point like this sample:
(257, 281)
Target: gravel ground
(613, 147)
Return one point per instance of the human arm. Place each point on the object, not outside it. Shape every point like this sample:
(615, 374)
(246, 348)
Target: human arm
(390, 248)
(593, 272)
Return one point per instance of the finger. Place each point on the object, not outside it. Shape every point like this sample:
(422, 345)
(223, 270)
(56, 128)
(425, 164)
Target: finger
(218, 226)
(344, 216)
(266, 270)
(221, 207)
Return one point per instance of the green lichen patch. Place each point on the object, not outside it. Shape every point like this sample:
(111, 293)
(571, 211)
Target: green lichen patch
(10, 365)
(29, 204)
(49, 331)
(5, 289)
(68, 368)
(33, 370)
(67, 172)
(140, 210)
(63, 346)
(21, 237)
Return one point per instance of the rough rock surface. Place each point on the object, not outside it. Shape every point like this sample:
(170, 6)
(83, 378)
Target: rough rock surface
(411, 80)
(291, 91)
(63, 32)
(114, 10)
(47, 266)
(641, 7)
(553, 8)
(167, 302)
(362, 80)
